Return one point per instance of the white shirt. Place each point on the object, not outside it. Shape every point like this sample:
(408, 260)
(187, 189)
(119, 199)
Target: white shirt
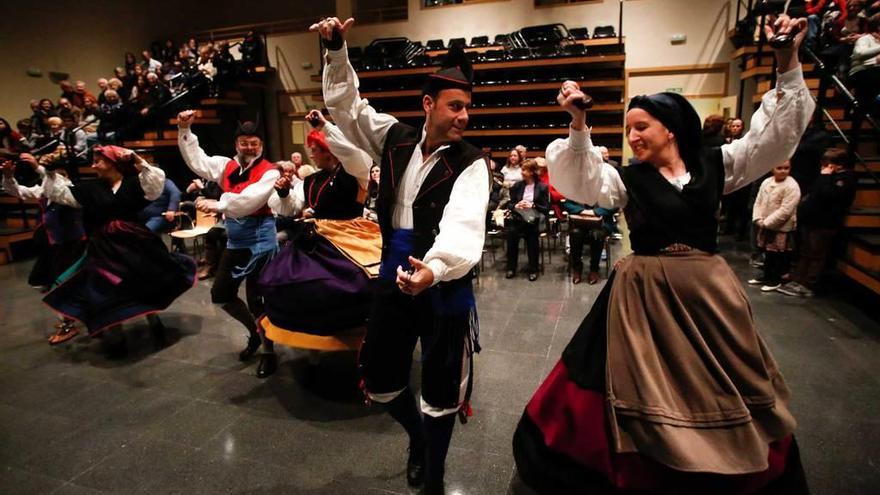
(57, 187)
(578, 172)
(14, 189)
(512, 174)
(355, 161)
(865, 53)
(529, 193)
(233, 205)
(458, 246)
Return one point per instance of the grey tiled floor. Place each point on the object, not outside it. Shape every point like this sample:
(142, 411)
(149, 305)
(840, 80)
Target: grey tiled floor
(192, 419)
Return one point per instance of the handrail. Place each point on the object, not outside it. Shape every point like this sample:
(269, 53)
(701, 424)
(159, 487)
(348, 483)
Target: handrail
(851, 100)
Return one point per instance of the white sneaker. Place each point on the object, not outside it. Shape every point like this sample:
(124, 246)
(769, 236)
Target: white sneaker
(770, 288)
(756, 281)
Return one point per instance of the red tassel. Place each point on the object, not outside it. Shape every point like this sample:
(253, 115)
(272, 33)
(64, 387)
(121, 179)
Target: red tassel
(363, 386)
(465, 412)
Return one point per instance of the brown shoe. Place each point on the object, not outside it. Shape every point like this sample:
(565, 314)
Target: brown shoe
(575, 277)
(65, 333)
(592, 278)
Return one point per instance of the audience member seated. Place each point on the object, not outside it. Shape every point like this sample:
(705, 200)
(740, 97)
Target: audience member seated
(606, 155)
(82, 94)
(864, 76)
(113, 119)
(11, 142)
(150, 64)
(215, 238)
(527, 217)
(68, 90)
(65, 106)
(155, 95)
(40, 118)
(159, 216)
(372, 195)
(820, 216)
(498, 196)
(251, 50)
(512, 170)
(75, 139)
(587, 226)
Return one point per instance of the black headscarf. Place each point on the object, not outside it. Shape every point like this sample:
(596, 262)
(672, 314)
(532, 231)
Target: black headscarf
(674, 111)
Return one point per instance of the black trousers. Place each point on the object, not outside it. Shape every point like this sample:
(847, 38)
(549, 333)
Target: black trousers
(579, 235)
(515, 229)
(776, 264)
(226, 287)
(397, 321)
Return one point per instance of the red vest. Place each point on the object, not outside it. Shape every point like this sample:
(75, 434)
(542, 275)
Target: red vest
(234, 183)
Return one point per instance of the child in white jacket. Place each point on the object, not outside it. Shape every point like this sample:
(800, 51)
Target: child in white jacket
(775, 215)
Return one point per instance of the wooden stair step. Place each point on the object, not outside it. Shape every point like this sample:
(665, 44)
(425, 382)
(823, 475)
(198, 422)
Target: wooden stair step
(864, 252)
(863, 218)
(867, 198)
(871, 281)
(213, 102)
(150, 143)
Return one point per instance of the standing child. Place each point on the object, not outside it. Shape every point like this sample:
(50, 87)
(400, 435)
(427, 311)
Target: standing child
(775, 216)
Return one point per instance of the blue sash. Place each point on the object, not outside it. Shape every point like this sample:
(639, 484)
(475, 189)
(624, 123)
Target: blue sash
(255, 233)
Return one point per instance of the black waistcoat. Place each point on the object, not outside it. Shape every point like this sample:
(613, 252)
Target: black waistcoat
(333, 195)
(434, 192)
(658, 215)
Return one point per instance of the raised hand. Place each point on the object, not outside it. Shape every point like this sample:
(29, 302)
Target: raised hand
(185, 119)
(316, 119)
(569, 94)
(326, 27)
(787, 56)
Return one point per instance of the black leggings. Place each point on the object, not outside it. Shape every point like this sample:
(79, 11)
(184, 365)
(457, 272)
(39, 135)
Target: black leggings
(776, 264)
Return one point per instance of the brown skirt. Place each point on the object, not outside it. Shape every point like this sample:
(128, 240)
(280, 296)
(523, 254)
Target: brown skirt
(689, 381)
(775, 241)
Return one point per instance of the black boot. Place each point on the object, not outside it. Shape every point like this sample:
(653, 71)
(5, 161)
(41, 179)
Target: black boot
(253, 344)
(157, 331)
(439, 433)
(403, 409)
(268, 364)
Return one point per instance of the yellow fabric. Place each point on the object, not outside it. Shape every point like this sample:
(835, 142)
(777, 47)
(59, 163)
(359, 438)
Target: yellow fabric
(358, 239)
(348, 341)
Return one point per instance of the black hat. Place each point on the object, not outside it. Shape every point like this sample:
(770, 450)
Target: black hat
(248, 128)
(457, 73)
(677, 114)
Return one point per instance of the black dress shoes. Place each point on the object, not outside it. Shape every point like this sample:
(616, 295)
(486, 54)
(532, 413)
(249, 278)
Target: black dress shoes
(268, 364)
(415, 467)
(510, 274)
(533, 276)
(253, 345)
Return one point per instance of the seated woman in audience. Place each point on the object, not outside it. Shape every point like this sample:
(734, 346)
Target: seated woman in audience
(160, 215)
(512, 170)
(667, 387)
(527, 217)
(372, 194)
(775, 216)
(127, 271)
(11, 142)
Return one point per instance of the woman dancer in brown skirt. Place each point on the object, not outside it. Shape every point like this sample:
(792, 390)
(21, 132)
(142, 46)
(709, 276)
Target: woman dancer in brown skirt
(667, 387)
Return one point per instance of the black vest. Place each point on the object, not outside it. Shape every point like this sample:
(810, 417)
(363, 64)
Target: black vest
(400, 143)
(658, 215)
(333, 195)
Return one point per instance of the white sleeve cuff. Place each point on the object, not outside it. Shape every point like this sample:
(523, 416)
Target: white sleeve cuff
(438, 267)
(578, 139)
(222, 204)
(791, 80)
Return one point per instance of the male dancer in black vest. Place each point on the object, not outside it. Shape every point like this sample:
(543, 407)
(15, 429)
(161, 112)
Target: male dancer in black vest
(433, 194)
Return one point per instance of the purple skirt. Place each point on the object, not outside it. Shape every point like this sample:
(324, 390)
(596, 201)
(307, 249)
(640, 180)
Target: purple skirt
(310, 287)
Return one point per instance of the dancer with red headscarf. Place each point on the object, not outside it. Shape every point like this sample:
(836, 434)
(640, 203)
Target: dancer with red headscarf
(127, 270)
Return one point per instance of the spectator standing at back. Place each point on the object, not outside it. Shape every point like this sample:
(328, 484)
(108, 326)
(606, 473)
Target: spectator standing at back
(821, 214)
(775, 216)
(150, 64)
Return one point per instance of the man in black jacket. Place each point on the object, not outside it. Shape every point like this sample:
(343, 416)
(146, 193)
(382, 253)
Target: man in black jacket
(820, 217)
